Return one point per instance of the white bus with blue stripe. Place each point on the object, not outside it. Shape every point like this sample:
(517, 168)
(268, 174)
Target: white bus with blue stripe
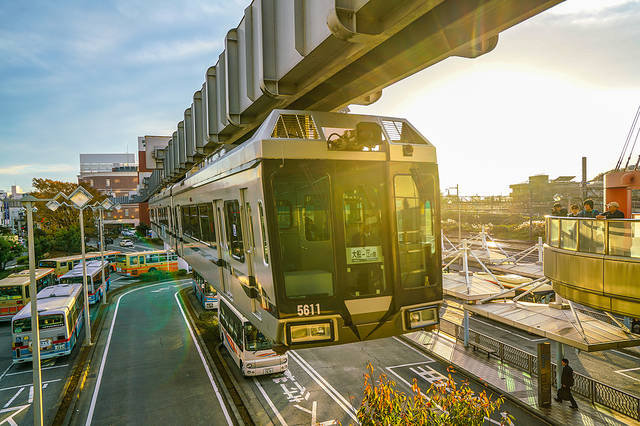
(204, 292)
(94, 279)
(60, 316)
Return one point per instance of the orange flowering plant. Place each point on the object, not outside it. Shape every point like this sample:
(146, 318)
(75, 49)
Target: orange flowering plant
(444, 403)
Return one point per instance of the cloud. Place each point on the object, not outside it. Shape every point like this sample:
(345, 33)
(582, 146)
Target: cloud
(21, 169)
(175, 50)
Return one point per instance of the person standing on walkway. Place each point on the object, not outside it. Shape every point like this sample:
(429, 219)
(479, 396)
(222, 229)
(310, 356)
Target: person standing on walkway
(564, 393)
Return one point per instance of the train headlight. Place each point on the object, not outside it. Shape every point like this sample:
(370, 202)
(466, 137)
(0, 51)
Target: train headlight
(422, 317)
(316, 332)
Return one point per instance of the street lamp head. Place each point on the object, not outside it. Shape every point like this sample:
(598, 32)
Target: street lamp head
(107, 204)
(80, 197)
(53, 205)
(117, 206)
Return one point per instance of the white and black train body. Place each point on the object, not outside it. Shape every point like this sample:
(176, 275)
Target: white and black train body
(322, 228)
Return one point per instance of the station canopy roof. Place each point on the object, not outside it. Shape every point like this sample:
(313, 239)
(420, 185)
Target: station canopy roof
(558, 325)
(453, 284)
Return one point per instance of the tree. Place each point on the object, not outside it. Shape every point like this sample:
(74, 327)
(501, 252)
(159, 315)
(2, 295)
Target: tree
(444, 403)
(9, 250)
(142, 230)
(63, 217)
(41, 243)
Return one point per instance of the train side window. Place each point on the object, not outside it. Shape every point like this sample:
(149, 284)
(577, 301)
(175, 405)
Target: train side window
(250, 221)
(205, 212)
(185, 221)
(263, 233)
(195, 223)
(234, 229)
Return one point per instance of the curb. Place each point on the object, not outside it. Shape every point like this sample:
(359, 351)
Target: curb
(220, 382)
(480, 381)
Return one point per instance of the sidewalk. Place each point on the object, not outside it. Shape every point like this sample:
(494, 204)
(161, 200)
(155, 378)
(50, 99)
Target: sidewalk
(514, 382)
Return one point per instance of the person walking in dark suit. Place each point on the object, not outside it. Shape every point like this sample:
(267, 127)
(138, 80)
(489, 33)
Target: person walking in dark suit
(564, 393)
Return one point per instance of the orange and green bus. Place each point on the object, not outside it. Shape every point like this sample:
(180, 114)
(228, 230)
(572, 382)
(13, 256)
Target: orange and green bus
(14, 290)
(137, 263)
(64, 264)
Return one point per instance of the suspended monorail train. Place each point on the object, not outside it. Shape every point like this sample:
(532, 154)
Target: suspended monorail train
(321, 228)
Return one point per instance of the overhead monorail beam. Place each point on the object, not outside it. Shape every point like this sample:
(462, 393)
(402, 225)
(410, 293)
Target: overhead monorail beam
(308, 54)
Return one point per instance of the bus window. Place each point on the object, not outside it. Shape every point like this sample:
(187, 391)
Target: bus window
(10, 292)
(265, 244)
(23, 325)
(133, 260)
(47, 264)
(70, 265)
(234, 230)
(141, 259)
(152, 258)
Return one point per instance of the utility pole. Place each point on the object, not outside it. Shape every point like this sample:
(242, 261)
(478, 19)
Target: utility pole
(584, 178)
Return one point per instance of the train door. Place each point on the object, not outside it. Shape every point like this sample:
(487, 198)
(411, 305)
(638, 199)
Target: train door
(223, 250)
(249, 245)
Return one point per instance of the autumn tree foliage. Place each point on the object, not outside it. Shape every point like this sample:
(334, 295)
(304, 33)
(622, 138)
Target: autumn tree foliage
(64, 217)
(444, 403)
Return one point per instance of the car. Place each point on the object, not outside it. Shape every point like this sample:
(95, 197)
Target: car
(126, 243)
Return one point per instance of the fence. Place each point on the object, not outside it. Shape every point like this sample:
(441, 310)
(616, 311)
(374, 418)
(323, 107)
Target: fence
(597, 392)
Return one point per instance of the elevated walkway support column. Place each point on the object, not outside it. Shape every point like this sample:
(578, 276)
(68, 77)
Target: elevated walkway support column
(559, 356)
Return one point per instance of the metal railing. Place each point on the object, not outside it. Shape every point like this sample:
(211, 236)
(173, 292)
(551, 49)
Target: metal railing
(615, 237)
(597, 392)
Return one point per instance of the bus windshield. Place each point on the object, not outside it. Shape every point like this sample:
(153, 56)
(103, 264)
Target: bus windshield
(47, 263)
(120, 258)
(11, 292)
(23, 325)
(255, 340)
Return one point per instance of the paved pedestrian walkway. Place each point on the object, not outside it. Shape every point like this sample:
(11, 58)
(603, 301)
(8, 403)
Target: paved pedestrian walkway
(515, 382)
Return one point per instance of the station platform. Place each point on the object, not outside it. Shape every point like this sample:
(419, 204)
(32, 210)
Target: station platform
(529, 270)
(516, 383)
(558, 325)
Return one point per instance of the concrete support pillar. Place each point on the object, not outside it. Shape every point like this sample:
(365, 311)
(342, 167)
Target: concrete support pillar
(559, 356)
(540, 247)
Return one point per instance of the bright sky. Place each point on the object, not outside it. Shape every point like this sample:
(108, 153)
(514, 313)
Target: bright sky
(91, 77)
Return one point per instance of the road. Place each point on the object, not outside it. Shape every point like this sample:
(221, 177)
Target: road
(137, 246)
(617, 368)
(147, 368)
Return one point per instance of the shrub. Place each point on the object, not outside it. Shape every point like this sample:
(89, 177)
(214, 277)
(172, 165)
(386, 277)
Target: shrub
(22, 260)
(444, 403)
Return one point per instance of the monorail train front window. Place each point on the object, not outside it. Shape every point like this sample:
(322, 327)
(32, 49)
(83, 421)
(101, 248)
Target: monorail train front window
(362, 214)
(414, 203)
(302, 203)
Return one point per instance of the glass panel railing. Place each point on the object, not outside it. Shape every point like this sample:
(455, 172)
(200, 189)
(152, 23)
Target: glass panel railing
(554, 232)
(635, 239)
(591, 236)
(569, 234)
(619, 238)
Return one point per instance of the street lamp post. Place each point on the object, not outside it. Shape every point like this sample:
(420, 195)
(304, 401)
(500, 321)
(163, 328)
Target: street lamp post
(106, 204)
(28, 201)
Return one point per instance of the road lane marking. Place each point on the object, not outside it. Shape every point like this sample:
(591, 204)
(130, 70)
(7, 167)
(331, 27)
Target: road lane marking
(42, 369)
(273, 407)
(204, 363)
(13, 398)
(96, 390)
(621, 372)
(337, 397)
(412, 348)
(28, 384)
(5, 371)
(17, 410)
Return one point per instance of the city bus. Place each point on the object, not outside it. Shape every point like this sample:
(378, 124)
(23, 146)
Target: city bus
(14, 290)
(204, 292)
(94, 278)
(137, 263)
(249, 348)
(63, 264)
(60, 320)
